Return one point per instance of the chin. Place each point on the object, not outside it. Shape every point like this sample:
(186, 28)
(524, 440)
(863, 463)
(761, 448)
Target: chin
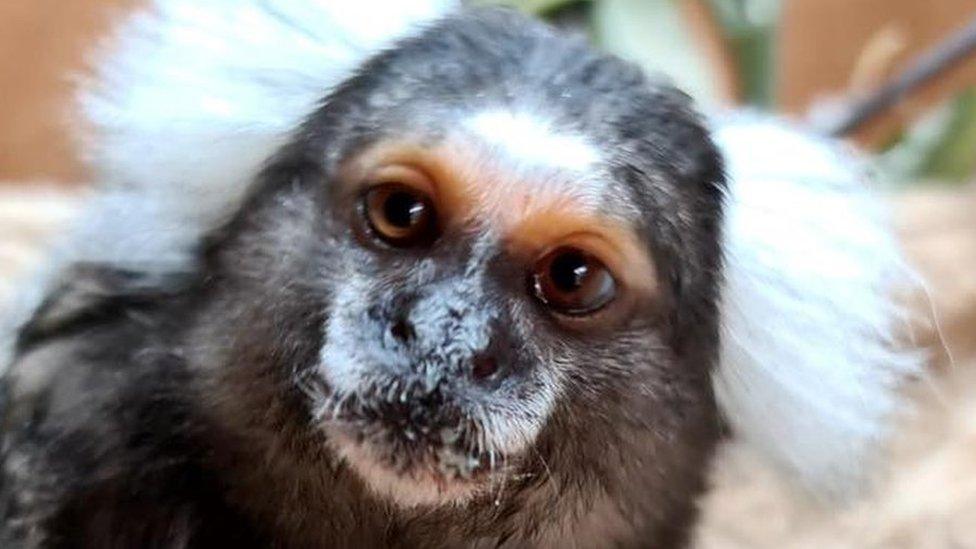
(419, 484)
(411, 473)
(415, 451)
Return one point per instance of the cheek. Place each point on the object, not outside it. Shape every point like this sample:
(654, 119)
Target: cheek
(351, 339)
(517, 413)
(590, 369)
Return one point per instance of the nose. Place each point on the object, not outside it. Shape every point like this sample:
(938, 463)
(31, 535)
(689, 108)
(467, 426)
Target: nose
(483, 366)
(402, 330)
(480, 365)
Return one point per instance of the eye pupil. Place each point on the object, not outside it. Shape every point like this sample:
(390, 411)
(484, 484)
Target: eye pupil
(569, 271)
(399, 215)
(403, 210)
(573, 282)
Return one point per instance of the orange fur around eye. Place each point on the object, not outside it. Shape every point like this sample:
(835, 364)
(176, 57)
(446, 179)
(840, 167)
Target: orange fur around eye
(533, 213)
(614, 245)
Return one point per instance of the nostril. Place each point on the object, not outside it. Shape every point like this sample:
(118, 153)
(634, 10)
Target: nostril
(483, 366)
(402, 330)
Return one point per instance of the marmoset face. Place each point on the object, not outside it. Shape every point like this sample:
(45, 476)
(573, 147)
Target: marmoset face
(514, 241)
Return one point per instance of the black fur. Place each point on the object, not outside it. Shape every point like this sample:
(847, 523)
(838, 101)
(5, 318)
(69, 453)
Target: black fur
(176, 413)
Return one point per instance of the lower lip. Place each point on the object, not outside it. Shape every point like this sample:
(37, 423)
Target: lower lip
(427, 464)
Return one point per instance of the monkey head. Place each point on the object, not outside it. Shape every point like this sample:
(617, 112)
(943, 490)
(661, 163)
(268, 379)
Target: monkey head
(506, 249)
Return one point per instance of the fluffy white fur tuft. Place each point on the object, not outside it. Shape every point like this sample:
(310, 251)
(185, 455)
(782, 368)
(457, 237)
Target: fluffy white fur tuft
(810, 356)
(190, 98)
(193, 96)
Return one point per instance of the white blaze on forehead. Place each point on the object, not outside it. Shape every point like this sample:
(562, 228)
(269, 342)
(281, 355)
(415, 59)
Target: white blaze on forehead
(529, 139)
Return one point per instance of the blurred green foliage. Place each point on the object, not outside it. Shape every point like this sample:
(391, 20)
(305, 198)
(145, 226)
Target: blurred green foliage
(954, 155)
(654, 35)
(536, 7)
(939, 147)
(750, 28)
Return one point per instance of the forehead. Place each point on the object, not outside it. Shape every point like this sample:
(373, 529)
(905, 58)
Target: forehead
(518, 163)
(504, 165)
(528, 139)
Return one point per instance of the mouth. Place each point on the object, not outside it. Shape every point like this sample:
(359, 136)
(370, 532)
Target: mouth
(412, 443)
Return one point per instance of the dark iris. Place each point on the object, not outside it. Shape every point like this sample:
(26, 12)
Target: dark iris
(400, 215)
(573, 282)
(403, 210)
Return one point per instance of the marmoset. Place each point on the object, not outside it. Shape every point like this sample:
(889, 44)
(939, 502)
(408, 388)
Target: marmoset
(458, 280)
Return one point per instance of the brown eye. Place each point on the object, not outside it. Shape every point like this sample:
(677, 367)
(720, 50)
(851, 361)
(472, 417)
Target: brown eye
(400, 215)
(573, 282)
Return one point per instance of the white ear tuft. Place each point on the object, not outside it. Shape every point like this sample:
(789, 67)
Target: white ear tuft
(810, 363)
(190, 98)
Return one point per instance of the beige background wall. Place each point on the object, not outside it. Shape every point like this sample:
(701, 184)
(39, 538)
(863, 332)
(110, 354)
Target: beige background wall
(42, 43)
(829, 46)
